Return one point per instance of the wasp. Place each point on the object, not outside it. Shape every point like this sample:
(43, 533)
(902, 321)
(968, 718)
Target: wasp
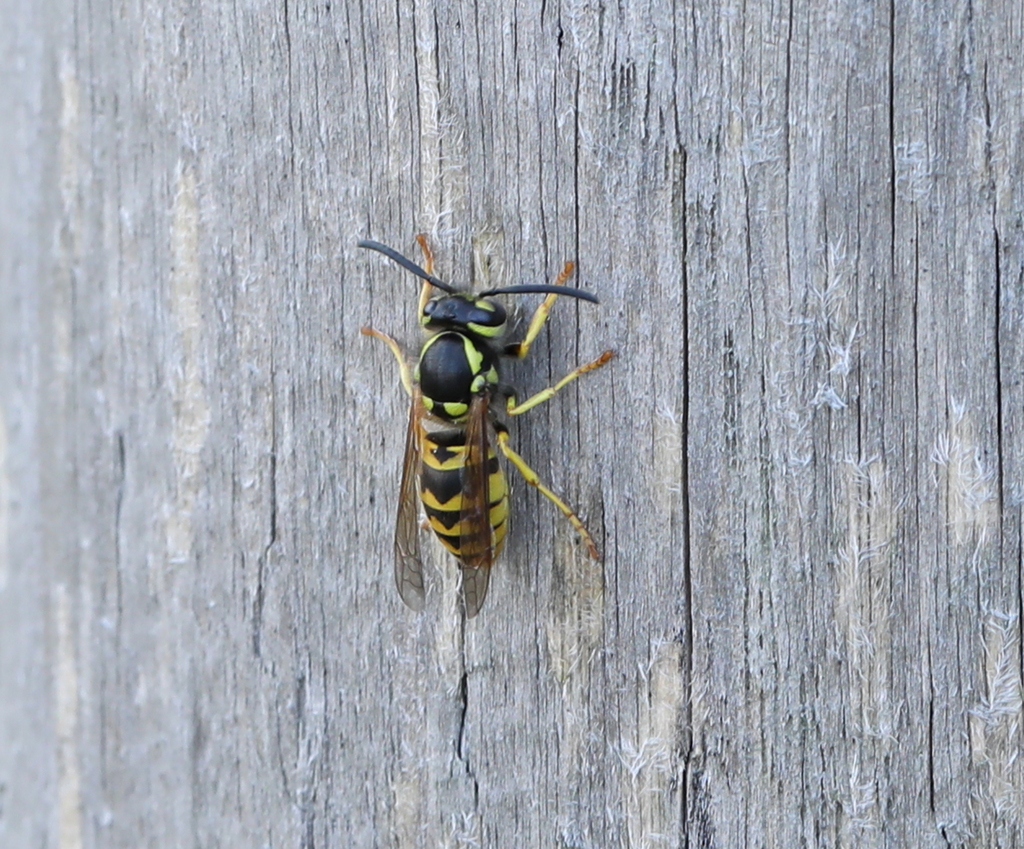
(451, 464)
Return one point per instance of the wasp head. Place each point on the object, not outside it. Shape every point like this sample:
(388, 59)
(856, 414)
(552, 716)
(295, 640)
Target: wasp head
(466, 313)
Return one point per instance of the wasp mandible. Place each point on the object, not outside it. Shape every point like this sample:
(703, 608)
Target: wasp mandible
(450, 463)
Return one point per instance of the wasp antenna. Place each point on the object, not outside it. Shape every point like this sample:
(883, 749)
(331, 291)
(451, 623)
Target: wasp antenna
(406, 263)
(529, 288)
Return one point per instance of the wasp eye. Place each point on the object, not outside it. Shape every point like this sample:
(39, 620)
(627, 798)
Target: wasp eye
(487, 314)
(429, 307)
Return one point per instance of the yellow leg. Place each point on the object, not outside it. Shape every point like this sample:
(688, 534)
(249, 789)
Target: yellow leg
(393, 345)
(530, 476)
(540, 316)
(514, 409)
(428, 266)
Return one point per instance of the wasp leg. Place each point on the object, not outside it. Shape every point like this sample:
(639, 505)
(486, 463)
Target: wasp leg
(520, 349)
(530, 476)
(428, 266)
(514, 409)
(393, 345)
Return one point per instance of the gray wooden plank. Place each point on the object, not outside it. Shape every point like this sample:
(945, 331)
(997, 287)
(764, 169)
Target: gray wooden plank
(803, 466)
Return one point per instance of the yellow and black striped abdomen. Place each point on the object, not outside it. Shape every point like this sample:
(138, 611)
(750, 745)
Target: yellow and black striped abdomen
(443, 456)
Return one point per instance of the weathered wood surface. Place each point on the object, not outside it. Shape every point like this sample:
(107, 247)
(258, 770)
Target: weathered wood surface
(806, 225)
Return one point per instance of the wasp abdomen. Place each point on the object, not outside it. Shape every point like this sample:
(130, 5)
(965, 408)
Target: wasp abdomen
(441, 485)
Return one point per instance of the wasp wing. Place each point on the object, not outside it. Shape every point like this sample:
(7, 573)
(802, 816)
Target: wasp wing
(408, 563)
(476, 544)
(474, 587)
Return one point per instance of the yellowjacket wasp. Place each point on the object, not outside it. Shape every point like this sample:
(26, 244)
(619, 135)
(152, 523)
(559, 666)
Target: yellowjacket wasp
(450, 463)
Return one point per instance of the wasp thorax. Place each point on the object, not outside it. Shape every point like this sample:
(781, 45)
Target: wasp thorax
(479, 316)
(451, 370)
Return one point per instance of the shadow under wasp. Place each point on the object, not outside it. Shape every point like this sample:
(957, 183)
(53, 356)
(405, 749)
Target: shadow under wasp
(450, 463)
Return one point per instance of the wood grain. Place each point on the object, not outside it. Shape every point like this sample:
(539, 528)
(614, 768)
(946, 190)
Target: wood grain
(805, 223)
